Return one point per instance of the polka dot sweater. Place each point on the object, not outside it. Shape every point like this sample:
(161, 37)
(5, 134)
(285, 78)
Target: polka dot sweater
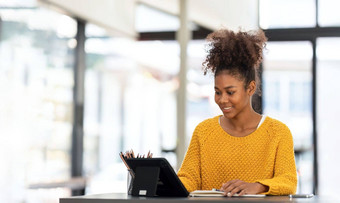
(265, 156)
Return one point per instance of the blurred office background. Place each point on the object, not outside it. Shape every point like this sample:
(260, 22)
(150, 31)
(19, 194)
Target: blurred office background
(82, 80)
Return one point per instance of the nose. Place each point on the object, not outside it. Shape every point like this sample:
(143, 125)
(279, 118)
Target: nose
(224, 98)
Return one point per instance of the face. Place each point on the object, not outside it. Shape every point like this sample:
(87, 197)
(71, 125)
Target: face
(231, 96)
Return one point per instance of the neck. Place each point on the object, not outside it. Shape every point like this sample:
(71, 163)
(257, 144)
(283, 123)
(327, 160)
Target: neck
(244, 120)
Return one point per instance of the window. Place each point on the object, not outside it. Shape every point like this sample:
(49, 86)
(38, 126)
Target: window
(328, 13)
(324, 39)
(287, 96)
(300, 96)
(328, 71)
(287, 14)
(152, 20)
(130, 104)
(200, 92)
(272, 102)
(36, 81)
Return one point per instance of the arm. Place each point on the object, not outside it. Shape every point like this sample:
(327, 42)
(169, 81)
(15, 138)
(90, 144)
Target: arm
(190, 171)
(284, 181)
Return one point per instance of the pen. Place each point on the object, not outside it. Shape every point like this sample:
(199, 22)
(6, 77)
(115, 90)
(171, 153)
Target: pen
(124, 161)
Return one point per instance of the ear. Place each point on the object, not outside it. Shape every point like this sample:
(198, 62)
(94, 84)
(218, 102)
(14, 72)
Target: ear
(251, 88)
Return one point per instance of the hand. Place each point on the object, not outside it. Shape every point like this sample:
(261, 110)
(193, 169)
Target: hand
(238, 186)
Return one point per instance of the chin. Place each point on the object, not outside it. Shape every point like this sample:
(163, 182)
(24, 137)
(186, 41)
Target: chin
(229, 115)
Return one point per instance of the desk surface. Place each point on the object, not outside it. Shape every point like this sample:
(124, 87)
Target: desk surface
(122, 197)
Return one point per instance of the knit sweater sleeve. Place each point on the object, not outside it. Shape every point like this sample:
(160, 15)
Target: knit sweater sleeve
(190, 171)
(284, 181)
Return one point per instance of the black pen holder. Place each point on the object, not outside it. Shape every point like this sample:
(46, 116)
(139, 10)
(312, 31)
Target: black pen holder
(130, 179)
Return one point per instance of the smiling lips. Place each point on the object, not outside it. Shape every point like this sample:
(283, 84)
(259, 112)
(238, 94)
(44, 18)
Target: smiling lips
(226, 109)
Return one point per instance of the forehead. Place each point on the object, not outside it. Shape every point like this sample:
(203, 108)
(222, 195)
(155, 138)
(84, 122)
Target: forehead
(224, 79)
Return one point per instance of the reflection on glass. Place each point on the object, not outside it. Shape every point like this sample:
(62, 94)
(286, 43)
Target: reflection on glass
(287, 96)
(329, 14)
(328, 71)
(36, 102)
(287, 14)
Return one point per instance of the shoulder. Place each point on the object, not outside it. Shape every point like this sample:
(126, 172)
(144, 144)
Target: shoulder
(206, 127)
(276, 124)
(276, 127)
(208, 123)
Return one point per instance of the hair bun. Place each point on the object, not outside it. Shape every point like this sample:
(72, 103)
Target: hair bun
(228, 50)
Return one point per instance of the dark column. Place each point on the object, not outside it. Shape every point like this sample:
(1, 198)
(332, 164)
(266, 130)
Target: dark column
(315, 142)
(78, 106)
(0, 28)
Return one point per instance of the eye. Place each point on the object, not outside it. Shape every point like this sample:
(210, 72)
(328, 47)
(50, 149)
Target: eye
(230, 92)
(217, 93)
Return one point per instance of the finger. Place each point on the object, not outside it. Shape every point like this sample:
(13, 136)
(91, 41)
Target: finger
(223, 186)
(234, 185)
(237, 189)
(243, 192)
(227, 184)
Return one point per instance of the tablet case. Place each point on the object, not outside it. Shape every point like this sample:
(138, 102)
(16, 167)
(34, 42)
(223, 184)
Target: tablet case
(145, 181)
(155, 177)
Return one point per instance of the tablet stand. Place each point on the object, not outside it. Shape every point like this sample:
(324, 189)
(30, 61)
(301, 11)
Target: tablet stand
(145, 181)
(155, 177)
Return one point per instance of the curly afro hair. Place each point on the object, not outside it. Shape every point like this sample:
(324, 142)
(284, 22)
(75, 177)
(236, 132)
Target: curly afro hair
(240, 54)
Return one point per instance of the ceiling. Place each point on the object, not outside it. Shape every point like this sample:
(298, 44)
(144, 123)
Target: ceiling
(118, 17)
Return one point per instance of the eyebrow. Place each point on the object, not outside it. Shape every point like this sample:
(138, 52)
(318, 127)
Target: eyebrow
(228, 87)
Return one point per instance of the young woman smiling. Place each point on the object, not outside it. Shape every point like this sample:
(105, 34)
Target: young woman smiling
(239, 151)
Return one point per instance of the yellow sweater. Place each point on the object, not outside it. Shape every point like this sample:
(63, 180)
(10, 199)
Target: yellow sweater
(265, 156)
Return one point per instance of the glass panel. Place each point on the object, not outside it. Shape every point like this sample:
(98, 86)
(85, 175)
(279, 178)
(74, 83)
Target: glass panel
(287, 14)
(18, 3)
(328, 71)
(287, 96)
(152, 20)
(329, 14)
(130, 103)
(36, 82)
(200, 96)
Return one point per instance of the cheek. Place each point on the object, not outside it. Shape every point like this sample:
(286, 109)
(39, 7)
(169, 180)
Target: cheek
(216, 99)
(237, 99)
(242, 99)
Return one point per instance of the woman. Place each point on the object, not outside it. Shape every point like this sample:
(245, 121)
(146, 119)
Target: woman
(240, 151)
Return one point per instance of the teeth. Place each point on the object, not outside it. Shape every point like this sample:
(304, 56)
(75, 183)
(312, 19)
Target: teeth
(226, 108)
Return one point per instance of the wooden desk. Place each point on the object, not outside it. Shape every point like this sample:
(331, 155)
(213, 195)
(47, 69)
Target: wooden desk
(122, 197)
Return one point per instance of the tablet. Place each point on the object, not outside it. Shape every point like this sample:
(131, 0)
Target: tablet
(168, 183)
